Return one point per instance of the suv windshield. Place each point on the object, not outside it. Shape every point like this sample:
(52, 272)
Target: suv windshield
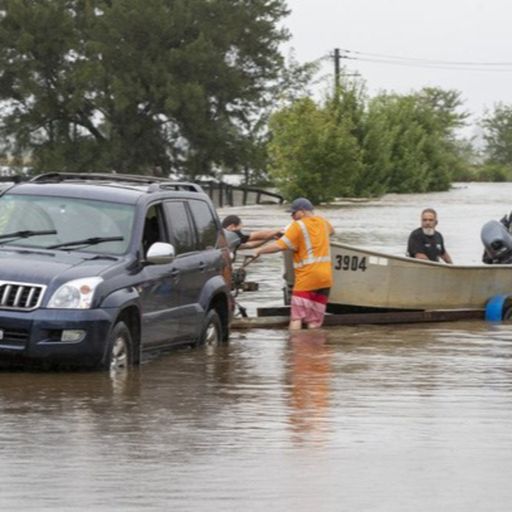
(72, 219)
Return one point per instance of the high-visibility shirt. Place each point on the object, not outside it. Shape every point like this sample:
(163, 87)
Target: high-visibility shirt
(308, 238)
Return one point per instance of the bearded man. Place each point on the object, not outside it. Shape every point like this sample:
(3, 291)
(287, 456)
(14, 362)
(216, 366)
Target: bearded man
(425, 243)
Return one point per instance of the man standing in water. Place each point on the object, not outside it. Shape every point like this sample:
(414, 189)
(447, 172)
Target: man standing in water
(425, 243)
(308, 238)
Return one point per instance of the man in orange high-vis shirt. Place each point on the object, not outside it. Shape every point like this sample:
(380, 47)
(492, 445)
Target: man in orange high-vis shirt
(308, 238)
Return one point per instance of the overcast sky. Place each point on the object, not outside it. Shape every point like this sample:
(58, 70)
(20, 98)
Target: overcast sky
(450, 31)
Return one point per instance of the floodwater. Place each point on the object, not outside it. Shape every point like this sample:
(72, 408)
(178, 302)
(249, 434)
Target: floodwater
(386, 418)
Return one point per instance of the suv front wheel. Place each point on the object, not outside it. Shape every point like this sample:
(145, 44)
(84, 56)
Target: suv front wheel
(119, 354)
(211, 335)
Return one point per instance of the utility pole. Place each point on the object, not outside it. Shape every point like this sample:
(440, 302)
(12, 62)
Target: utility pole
(337, 68)
(337, 58)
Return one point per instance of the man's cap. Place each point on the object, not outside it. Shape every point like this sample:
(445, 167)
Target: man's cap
(301, 203)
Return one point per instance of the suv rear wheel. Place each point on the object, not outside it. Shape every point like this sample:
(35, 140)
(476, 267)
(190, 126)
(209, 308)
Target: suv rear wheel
(119, 355)
(211, 335)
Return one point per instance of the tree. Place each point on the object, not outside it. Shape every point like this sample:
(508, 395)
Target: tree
(418, 147)
(293, 82)
(352, 146)
(313, 152)
(497, 134)
(136, 85)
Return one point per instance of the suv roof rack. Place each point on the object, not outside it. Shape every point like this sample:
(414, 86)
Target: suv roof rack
(176, 185)
(65, 176)
(155, 183)
(16, 178)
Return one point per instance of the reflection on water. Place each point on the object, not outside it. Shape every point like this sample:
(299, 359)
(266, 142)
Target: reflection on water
(309, 376)
(401, 418)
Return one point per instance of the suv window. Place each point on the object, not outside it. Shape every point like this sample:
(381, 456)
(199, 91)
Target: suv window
(180, 229)
(72, 218)
(207, 229)
(153, 228)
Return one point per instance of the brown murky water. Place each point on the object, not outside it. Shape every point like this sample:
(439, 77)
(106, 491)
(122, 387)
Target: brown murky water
(385, 418)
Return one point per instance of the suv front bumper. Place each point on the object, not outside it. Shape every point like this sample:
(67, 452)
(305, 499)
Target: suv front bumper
(39, 335)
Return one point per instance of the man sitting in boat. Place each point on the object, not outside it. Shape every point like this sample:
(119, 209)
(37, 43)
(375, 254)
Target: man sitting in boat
(425, 243)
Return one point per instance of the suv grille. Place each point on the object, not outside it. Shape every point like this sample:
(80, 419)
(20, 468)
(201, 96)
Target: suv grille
(20, 296)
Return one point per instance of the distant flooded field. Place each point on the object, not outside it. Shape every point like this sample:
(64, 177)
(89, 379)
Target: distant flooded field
(393, 418)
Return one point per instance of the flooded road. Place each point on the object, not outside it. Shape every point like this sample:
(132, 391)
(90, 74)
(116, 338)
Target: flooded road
(366, 418)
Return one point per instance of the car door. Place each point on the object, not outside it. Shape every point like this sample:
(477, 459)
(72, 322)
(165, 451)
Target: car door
(182, 235)
(207, 261)
(160, 287)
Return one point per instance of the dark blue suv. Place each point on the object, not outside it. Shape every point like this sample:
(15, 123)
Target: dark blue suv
(96, 269)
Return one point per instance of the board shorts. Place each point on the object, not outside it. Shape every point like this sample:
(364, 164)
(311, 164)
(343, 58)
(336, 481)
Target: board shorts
(309, 306)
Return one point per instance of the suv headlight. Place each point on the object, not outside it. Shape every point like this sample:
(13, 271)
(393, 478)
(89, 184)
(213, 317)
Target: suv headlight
(76, 294)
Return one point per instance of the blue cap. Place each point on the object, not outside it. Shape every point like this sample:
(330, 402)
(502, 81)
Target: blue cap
(301, 203)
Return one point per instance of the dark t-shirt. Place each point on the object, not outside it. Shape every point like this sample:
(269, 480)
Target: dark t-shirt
(243, 237)
(431, 246)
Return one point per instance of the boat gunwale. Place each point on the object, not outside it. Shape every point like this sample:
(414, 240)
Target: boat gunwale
(416, 261)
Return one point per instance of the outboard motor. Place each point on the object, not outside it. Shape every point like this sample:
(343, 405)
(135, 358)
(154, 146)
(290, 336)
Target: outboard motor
(497, 242)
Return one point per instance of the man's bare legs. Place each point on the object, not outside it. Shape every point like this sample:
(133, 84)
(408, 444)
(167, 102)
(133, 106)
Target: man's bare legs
(295, 325)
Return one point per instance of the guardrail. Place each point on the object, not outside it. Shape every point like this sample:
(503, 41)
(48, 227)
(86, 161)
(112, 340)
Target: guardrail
(223, 194)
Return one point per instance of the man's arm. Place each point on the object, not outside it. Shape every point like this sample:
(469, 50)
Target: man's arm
(264, 234)
(446, 257)
(269, 249)
(254, 244)
(420, 256)
(415, 247)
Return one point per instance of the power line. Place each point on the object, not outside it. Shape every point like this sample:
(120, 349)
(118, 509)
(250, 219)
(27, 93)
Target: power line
(429, 61)
(431, 66)
(493, 67)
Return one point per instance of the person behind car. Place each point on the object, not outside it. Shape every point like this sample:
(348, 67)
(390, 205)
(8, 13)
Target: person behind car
(233, 224)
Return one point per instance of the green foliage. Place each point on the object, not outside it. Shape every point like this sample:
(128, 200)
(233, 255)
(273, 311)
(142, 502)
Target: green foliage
(497, 127)
(313, 152)
(467, 162)
(419, 127)
(137, 85)
(352, 146)
(492, 172)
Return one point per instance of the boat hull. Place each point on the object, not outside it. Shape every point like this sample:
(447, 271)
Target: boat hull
(373, 279)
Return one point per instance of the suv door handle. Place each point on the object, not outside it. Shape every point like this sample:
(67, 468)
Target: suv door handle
(175, 272)
(202, 266)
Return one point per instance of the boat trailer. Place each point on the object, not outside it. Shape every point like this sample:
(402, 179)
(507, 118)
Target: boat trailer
(279, 317)
(497, 309)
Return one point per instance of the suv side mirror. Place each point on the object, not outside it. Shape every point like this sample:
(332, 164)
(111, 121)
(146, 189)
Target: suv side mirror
(160, 253)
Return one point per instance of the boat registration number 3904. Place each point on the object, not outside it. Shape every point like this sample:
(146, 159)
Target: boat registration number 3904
(345, 262)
